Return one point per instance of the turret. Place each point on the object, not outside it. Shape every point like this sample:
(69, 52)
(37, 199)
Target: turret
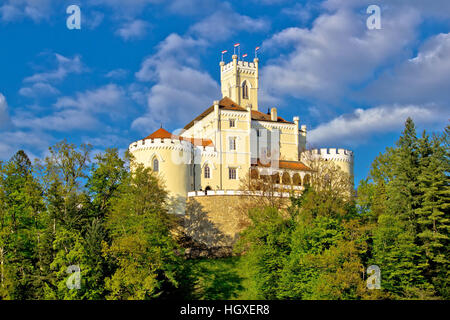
(240, 81)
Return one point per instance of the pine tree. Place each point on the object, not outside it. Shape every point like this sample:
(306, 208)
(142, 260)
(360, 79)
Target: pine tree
(433, 215)
(410, 198)
(20, 223)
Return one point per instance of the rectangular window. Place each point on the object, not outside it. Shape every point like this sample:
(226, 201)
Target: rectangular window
(232, 174)
(232, 123)
(233, 143)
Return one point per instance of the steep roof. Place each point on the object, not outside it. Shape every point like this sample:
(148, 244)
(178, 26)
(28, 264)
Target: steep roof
(162, 133)
(261, 116)
(228, 104)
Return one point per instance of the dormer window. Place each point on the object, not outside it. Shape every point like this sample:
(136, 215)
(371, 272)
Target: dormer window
(245, 90)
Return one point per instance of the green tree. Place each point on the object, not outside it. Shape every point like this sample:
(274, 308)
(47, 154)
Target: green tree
(433, 213)
(20, 209)
(407, 195)
(148, 260)
(314, 249)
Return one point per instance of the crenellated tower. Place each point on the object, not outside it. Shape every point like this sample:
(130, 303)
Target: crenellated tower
(239, 81)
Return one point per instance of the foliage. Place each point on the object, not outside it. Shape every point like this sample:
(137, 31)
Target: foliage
(115, 225)
(407, 195)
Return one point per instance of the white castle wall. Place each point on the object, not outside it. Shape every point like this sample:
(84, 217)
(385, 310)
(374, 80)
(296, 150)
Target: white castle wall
(343, 158)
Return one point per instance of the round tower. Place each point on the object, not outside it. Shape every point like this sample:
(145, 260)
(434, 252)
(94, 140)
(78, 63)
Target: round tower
(168, 156)
(340, 157)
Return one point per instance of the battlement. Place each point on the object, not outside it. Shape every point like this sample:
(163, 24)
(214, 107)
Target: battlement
(244, 66)
(333, 154)
(161, 143)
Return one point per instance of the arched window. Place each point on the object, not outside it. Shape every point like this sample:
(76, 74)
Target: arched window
(155, 165)
(207, 172)
(245, 90)
(296, 180)
(286, 178)
(307, 180)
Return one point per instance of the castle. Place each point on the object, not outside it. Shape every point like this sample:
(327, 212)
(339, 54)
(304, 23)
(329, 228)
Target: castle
(231, 137)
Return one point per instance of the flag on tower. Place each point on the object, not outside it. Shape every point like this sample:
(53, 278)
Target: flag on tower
(237, 45)
(244, 55)
(257, 48)
(223, 52)
(256, 52)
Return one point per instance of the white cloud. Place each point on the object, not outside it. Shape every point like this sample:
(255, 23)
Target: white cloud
(175, 49)
(177, 101)
(65, 66)
(92, 19)
(356, 128)
(117, 74)
(422, 79)
(193, 7)
(62, 121)
(107, 99)
(300, 12)
(79, 112)
(225, 23)
(4, 117)
(433, 8)
(11, 142)
(337, 53)
(37, 10)
(38, 89)
(136, 29)
(180, 89)
(128, 8)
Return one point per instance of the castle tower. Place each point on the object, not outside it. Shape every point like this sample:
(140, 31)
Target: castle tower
(239, 81)
(169, 156)
(342, 158)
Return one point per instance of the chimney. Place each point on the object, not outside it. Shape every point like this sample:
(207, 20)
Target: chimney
(273, 114)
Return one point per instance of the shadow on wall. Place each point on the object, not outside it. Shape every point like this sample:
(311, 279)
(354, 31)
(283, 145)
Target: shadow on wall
(202, 238)
(176, 205)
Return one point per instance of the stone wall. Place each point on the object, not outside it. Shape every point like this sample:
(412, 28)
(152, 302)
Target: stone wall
(212, 224)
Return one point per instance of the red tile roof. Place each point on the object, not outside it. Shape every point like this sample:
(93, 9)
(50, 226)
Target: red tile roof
(228, 104)
(285, 164)
(164, 134)
(258, 115)
(161, 134)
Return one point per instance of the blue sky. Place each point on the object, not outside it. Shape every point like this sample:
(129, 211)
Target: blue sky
(138, 63)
